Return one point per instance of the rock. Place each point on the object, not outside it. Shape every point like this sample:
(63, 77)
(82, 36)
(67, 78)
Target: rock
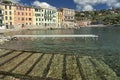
(1, 41)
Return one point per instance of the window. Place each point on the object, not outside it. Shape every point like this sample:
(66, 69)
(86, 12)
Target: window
(22, 19)
(10, 18)
(26, 23)
(36, 23)
(10, 12)
(39, 19)
(29, 14)
(36, 10)
(36, 19)
(10, 23)
(22, 13)
(5, 6)
(18, 13)
(26, 14)
(10, 7)
(0, 12)
(30, 19)
(18, 18)
(6, 18)
(5, 12)
(26, 19)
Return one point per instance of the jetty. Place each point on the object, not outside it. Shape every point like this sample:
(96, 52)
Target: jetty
(82, 36)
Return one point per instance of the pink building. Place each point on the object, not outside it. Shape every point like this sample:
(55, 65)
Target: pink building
(23, 16)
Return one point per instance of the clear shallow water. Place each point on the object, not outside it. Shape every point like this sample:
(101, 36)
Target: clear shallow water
(107, 43)
(105, 48)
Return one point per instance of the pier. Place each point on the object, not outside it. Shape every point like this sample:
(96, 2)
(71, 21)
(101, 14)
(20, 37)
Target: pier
(82, 36)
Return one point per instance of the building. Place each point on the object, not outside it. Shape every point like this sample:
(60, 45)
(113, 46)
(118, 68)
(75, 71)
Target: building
(23, 16)
(83, 23)
(8, 17)
(48, 17)
(59, 19)
(1, 16)
(68, 17)
(44, 17)
(37, 17)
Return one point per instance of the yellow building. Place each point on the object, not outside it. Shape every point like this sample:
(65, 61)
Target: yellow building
(8, 14)
(59, 19)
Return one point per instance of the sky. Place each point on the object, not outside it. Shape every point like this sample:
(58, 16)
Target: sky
(80, 5)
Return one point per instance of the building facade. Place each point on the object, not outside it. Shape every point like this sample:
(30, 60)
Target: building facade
(23, 16)
(19, 16)
(1, 16)
(8, 17)
(48, 17)
(68, 17)
(59, 19)
(44, 17)
(37, 20)
(83, 23)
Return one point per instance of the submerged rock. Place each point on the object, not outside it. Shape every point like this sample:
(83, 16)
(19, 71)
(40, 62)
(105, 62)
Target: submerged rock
(2, 41)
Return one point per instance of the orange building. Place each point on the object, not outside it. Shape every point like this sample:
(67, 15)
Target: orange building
(23, 16)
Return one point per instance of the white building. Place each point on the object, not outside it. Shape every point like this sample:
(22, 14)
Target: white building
(48, 18)
(44, 17)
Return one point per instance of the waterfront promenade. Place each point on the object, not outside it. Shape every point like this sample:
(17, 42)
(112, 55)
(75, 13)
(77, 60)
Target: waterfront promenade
(22, 65)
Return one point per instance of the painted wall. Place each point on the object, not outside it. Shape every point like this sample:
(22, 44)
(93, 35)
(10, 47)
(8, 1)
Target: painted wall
(37, 17)
(8, 11)
(49, 18)
(59, 19)
(23, 16)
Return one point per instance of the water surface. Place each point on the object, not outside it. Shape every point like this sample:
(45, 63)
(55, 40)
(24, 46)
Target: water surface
(108, 42)
(105, 48)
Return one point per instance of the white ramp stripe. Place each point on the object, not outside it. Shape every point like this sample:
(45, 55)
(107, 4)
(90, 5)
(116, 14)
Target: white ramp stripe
(84, 36)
